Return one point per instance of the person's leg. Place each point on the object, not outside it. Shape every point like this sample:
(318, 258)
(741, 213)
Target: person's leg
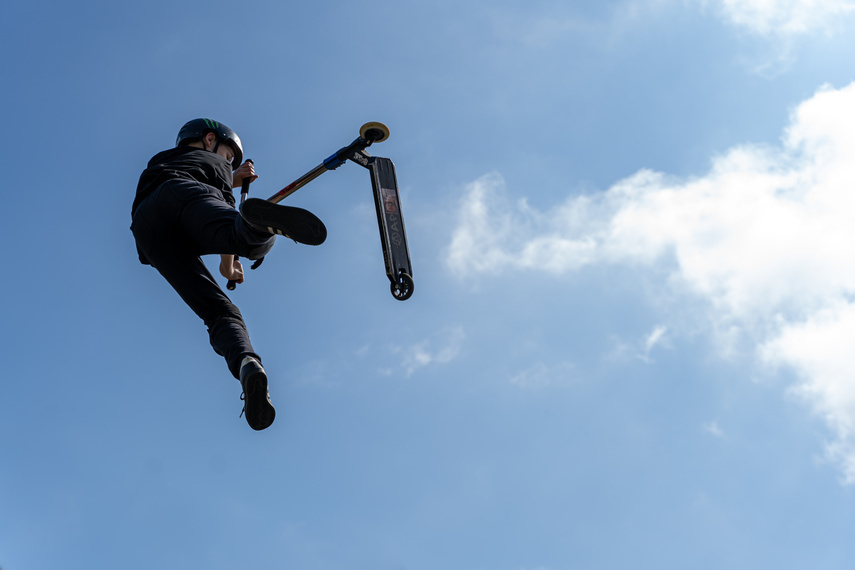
(217, 228)
(212, 224)
(170, 250)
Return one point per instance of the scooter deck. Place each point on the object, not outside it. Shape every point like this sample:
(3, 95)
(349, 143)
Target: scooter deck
(390, 220)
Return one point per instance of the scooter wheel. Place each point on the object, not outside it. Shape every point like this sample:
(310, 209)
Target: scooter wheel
(402, 289)
(374, 132)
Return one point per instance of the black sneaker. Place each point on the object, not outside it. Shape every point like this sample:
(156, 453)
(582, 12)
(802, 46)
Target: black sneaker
(300, 225)
(257, 405)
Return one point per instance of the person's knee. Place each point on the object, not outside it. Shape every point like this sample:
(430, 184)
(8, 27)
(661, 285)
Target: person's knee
(252, 243)
(259, 251)
(226, 314)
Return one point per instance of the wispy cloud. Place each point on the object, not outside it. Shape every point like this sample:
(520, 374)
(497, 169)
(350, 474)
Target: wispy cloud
(640, 349)
(713, 429)
(541, 375)
(781, 25)
(775, 28)
(764, 239)
(496, 231)
(783, 17)
(651, 341)
(441, 349)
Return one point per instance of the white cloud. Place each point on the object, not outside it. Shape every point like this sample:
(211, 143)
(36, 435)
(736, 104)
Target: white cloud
(781, 25)
(766, 239)
(655, 338)
(492, 234)
(713, 429)
(820, 350)
(541, 375)
(783, 17)
(641, 349)
(441, 351)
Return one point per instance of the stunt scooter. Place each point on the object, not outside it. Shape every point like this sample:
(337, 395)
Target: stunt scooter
(387, 203)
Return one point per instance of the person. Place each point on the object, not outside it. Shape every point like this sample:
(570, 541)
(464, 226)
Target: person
(183, 209)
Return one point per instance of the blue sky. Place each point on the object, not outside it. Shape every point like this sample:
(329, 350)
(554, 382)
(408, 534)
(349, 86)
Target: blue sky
(629, 342)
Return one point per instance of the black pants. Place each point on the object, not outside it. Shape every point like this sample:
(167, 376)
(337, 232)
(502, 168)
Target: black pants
(177, 224)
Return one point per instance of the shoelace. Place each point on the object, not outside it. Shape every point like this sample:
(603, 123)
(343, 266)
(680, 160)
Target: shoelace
(243, 399)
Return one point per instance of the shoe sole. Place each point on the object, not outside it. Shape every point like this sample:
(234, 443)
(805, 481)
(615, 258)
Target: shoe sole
(259, 411)
(297, 224)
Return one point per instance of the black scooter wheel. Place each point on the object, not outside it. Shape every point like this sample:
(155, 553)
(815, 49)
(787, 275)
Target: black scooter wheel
(402, 289)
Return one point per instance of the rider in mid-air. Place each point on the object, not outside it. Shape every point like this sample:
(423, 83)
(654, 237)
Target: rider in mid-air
(184, 209)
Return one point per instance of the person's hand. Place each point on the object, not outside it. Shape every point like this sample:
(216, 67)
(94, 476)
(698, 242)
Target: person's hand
(247, 169)
(231, 268)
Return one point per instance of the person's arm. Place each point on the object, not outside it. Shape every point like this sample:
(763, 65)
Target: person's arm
(231, 268)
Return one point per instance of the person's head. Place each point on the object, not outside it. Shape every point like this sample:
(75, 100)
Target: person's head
(212, 136)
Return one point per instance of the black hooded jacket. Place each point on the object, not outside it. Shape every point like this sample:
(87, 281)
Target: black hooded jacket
(185, 163)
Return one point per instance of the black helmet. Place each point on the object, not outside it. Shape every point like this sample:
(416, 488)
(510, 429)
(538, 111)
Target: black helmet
(198, 128)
